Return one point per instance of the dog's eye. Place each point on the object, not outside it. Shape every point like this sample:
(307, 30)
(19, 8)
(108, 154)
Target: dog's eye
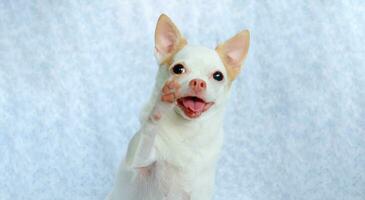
(218, 75)
(178, 69)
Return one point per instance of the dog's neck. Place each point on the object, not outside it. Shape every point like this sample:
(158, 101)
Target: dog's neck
(182, 141)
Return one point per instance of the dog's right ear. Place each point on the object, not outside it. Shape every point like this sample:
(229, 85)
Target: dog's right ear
(168, 39)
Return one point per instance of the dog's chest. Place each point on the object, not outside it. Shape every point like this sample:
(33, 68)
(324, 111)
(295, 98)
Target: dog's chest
(186, 164)
(176, 183)
(186, 149)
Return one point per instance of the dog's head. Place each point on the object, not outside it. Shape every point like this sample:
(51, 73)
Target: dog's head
(204, 75)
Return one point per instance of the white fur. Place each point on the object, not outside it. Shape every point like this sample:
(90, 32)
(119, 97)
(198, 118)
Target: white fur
(184, 152)
(173, 156)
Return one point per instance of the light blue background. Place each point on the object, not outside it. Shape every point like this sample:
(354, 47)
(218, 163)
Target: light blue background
(74, 75)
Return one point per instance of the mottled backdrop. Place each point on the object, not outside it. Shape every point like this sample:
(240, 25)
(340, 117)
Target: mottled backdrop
(74, 75)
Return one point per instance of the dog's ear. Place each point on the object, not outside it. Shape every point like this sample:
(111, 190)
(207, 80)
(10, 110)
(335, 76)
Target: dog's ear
(168, 39)
(233, 52)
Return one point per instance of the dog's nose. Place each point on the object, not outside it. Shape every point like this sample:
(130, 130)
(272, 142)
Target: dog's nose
(198, 85)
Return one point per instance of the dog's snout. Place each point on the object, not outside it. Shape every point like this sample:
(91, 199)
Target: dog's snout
(198, 85)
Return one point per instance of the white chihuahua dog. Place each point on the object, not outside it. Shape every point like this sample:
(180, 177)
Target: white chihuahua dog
(174, 154)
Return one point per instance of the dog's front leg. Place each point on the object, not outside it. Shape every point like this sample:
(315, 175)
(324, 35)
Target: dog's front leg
(141, 152)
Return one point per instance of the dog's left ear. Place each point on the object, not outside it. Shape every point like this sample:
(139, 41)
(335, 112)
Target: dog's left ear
(168, 39)
(233, 52)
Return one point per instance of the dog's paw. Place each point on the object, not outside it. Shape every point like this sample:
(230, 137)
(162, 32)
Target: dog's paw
(170, 91)
(169, 94)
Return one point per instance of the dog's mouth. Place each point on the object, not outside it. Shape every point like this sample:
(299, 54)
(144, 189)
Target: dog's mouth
(193, 106)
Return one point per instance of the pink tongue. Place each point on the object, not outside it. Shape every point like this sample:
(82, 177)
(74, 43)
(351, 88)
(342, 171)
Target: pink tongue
(196, 106)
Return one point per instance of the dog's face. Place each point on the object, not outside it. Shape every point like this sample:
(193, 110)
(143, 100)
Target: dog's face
(204, 76)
